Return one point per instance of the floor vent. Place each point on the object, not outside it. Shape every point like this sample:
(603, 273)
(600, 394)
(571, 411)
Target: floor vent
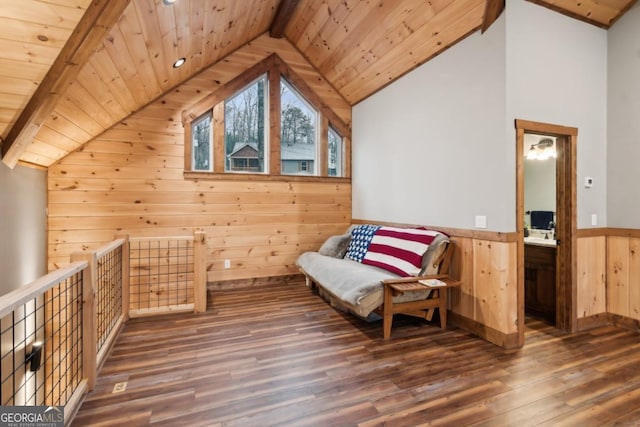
(119, 387)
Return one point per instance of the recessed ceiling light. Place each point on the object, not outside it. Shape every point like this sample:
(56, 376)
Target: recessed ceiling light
(168, 2)
(179, 63)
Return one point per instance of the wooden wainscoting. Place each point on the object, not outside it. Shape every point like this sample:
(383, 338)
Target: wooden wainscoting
(623, 278)
(609, 277)
(486, 303)
(592, 274)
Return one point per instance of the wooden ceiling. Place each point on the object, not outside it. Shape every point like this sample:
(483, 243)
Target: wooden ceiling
(70, 69)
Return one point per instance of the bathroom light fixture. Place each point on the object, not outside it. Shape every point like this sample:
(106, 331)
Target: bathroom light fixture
(543, 150)
(168, 2)
(34, 358)
(179, 63)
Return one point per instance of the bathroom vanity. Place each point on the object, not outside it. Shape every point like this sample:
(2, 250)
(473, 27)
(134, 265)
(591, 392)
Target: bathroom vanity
(540, 277)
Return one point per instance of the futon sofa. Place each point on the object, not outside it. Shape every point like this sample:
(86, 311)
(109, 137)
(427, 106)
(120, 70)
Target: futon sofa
(350, 270)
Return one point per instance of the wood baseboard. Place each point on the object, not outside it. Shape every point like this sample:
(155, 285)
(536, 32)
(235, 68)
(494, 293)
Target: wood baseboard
(254, 282)
(625, 322)
(506, 341)
(604, 319)
(594, 321)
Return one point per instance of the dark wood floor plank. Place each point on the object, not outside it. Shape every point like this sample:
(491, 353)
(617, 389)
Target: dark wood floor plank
(280, 356)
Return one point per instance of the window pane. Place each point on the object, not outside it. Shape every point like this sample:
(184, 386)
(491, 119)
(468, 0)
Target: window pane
(201, 144)
(335, 153)
(298, 138)
(244, 125)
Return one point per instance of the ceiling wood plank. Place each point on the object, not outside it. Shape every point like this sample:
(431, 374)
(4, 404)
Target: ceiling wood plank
(99, 17)
(492, 11)
(286, 8)
(594, 12)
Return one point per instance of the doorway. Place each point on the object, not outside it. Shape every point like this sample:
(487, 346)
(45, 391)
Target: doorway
(540, 154)
(564, 224)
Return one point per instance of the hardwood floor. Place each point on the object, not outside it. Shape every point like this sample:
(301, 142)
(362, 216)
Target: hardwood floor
(282, 356)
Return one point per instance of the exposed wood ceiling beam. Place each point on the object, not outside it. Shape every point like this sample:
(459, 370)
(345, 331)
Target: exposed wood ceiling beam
(99, 17)
(492, 11)
(282, 18)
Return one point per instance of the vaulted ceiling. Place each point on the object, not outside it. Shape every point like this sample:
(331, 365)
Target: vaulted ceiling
(70, 69)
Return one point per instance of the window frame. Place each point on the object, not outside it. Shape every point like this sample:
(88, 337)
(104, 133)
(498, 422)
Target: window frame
(275, 70)
(207, 115)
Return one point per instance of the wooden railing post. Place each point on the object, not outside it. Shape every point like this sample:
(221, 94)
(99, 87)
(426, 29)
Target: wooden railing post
(199, 271)
(89, 351)
(126, 256)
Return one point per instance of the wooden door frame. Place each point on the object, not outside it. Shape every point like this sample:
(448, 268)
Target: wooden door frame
(566, 181)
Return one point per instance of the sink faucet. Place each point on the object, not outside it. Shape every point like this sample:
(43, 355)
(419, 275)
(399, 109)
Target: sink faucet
(552, 228)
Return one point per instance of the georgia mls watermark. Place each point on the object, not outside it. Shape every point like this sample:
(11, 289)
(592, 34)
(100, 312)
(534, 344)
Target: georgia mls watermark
(31, 416)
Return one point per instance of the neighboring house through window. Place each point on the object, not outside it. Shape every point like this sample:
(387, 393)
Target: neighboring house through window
(245, 157)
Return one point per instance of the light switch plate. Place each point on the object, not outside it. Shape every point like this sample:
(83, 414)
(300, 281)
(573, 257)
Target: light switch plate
(594, 219)
(481, 221)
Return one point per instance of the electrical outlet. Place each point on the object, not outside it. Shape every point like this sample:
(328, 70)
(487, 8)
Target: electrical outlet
(594, 219)
(481, 221)
(588, 182)
(227, 263)
(119, 387)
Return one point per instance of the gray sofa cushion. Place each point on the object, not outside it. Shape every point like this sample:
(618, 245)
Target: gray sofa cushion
(351, 286)
(436, 248)
(348, 280)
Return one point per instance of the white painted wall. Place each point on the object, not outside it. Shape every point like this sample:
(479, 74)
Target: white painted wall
(430, 148)
(623, 195)
(23, 250)
(557, 73)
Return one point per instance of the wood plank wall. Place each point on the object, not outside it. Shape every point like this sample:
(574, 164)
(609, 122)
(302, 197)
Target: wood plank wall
(130, 180)
(623, 273)
(609, 278)
(592, 275)
(488, 294)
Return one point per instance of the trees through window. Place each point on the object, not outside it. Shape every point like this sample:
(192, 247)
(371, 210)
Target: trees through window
(264, 124)
(201, 143)
(244, 124)
(335, 153)
(298, 129)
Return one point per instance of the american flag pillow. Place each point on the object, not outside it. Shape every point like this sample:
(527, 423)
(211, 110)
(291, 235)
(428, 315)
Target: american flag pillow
(361, 237)
(399, 250)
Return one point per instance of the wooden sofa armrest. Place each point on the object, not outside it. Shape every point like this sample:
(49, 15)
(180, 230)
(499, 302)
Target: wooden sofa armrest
(442, 261)
(414, 279)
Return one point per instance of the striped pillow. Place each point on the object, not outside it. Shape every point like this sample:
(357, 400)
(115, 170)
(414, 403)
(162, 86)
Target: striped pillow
(399, 250)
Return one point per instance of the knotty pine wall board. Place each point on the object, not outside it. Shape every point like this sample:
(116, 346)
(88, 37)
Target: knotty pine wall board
(618, 275)
(623, 276)
(591, 265)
